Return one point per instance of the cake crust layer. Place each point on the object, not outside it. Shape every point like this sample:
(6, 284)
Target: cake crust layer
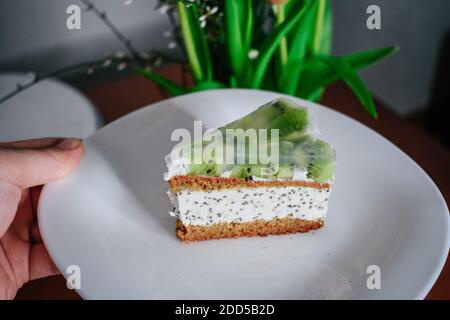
(178, 183)
(249, 229)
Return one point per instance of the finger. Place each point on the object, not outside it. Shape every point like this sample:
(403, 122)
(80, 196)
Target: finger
(24, 215)
(32, 144)
(35, 233)
(41, 265)
(35, 194)
(10, 196)
(31, 167)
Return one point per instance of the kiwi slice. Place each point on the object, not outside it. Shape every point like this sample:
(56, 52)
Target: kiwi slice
(285, 151)
(281, 114)
(296, 136)
(321, 172)
(317, 157)
(286, 147)
(241, 172)
(207, 169)
(203, 169)
(296, 149)
(300, 158)
(285, 172)
(290, 122)
(248, 171)
(258, 119)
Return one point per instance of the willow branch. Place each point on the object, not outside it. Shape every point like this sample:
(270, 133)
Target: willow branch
(90, 6)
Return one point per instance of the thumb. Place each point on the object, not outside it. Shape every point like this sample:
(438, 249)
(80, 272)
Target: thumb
(27, 168)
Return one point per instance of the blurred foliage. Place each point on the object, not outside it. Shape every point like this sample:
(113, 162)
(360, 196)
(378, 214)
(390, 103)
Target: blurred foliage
(284, 47)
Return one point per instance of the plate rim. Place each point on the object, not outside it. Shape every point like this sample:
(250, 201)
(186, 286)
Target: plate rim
(432, 278)
(84, 100)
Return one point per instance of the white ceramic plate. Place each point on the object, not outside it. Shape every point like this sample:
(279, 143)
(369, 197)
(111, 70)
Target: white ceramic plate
(50, 108)
(110, 217)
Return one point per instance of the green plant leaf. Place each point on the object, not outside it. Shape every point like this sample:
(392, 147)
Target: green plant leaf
(259, 20)
(349, 75)
(321, 37)
(233, 82)
(290, 75)
(293, 6)
(317, 94)
(207, 85)
(195, 42)
(270, 78)
(269, 46)
(170, 86)
(317, 74)
(203, 43)
(248, 32)
(280, 15)
(364, 58)
(234, 21)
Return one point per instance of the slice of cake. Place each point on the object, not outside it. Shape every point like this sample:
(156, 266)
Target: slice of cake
(215, 199)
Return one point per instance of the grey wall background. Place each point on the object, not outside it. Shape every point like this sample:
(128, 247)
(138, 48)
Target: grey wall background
(403, 81)
(34, 36)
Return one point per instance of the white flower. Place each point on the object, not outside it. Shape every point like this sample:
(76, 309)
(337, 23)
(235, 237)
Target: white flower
(253, 54)
(120, 54)
(209, 12)
(107, 62)
(213, 10)
(145, 55)
(163, 9)
(157, 62)
(172, 45)
(121, 66)
(32, 75)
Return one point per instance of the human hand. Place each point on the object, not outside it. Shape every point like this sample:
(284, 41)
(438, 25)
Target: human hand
(24, 167)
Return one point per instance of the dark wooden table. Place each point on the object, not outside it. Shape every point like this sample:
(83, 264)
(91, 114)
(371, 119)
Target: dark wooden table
(116, 98)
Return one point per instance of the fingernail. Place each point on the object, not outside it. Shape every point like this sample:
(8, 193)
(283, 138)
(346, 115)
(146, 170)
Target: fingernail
(69, 144)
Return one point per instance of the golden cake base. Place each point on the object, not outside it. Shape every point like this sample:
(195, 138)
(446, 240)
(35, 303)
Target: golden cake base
(248, 229)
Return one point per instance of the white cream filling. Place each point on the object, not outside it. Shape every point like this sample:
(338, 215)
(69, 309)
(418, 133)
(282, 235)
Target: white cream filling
(248, 204)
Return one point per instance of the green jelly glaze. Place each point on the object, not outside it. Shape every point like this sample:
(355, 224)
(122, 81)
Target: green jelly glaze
(297, 149)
